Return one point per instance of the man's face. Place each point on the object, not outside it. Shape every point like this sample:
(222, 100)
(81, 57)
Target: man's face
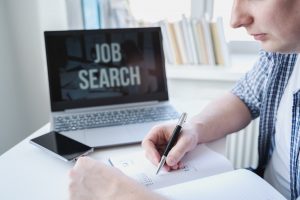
(276, 23)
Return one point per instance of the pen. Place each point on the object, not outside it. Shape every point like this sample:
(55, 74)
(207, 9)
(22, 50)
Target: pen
(172, 141)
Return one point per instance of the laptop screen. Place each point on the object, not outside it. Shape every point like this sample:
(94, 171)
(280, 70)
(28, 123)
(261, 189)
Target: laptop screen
(105, 67)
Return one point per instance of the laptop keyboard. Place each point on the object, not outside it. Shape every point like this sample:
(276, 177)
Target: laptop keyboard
(114, 118)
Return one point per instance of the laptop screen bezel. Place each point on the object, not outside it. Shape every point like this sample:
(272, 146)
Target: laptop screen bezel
(63, 105)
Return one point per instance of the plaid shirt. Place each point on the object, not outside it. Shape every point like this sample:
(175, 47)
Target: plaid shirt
(261, 90)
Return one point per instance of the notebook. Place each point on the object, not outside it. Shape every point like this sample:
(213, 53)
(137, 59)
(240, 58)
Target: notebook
(107, 87)
(199, 163)
(238, 184)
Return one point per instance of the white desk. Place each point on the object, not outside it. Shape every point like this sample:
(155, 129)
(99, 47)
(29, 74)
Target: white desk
(26, 172)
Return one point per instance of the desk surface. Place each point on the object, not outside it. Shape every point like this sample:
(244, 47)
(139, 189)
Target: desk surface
(26, 172)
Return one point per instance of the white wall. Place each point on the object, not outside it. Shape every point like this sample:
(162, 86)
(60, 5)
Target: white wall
(9, 107)
(23, 77)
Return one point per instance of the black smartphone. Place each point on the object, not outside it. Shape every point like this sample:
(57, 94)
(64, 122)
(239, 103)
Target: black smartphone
(61, 146)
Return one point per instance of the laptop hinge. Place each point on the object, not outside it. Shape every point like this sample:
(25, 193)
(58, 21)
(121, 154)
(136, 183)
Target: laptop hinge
(113, 107)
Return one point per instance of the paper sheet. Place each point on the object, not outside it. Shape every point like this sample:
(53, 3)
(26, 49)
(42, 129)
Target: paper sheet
(201, 162)
(234, 185)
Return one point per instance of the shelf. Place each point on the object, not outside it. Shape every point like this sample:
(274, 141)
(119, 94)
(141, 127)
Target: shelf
(204, 73)
(240, 65)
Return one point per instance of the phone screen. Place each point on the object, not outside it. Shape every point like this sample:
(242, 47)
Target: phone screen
(66, 148)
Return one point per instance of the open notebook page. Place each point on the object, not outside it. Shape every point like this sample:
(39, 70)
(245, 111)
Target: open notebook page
(234, 185)
(201, 162)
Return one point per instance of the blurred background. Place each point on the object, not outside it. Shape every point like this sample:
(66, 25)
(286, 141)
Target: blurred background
(24, 104)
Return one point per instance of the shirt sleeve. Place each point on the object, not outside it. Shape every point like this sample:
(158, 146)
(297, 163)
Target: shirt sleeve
(250, 87)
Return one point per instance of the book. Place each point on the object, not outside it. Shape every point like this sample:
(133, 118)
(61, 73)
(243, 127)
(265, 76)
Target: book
(180, 41)
(223, 42)
(185, 42)
(239, 184)
(174, 44)
(190, 41)
(208, 42)
(200, 42)
(169, 51)
(199, 163)
(216, 44)
(220, 45)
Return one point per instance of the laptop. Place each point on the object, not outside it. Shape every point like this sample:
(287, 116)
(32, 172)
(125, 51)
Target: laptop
(107, 87)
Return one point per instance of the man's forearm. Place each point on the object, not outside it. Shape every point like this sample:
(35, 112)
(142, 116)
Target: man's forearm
(222, 116)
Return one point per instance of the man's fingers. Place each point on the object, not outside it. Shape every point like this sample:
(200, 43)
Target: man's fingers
(151, 152)
(154, 142)
(178, 151)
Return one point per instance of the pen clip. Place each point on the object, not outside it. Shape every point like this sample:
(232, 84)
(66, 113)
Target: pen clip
(182, 119)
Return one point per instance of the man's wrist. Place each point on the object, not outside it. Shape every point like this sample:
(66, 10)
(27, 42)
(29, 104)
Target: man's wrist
(200, 129)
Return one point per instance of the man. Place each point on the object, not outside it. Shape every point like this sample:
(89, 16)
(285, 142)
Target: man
(270, 90)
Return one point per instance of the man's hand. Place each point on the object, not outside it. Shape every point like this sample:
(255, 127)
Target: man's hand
(156, 140)
(93, 180)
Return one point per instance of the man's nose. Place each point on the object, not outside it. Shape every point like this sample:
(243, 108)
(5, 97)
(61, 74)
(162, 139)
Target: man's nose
(240, 16)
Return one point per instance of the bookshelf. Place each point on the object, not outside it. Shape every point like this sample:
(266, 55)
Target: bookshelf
(240, 64)
(195, 41)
